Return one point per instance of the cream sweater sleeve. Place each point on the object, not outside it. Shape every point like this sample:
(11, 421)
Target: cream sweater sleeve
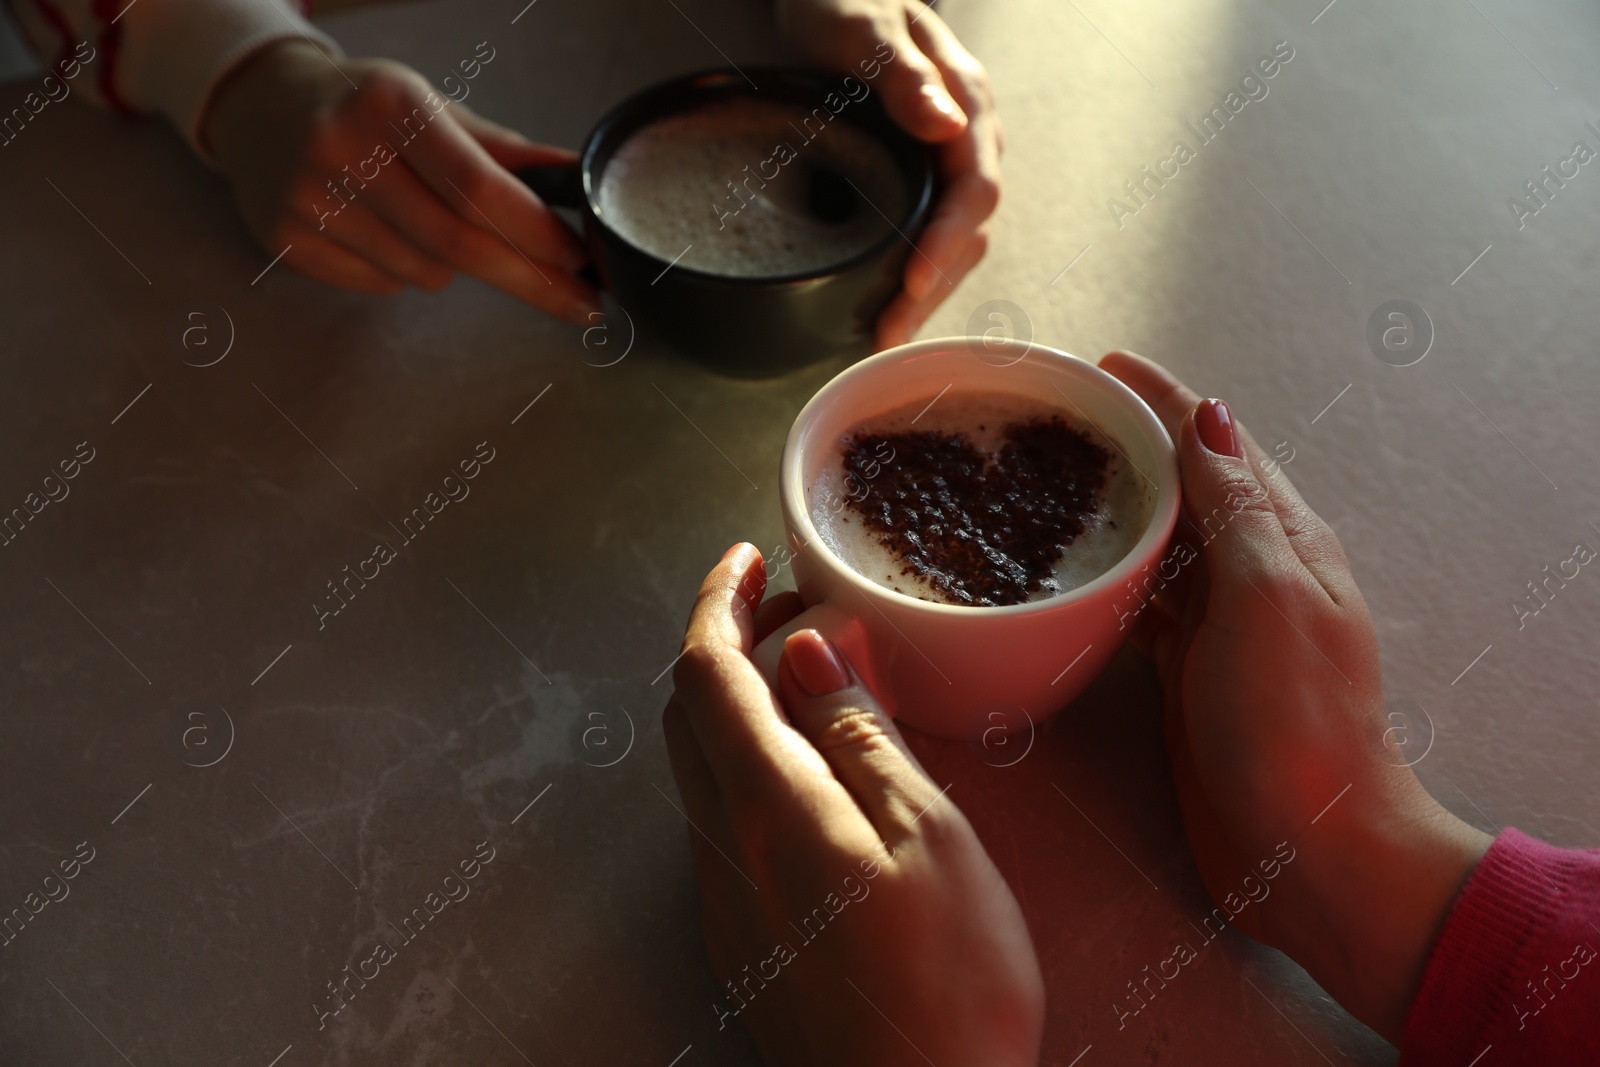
(160, 57)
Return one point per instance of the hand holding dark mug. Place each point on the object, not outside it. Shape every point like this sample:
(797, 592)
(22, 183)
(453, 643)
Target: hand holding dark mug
(940, 94)
(358, 173)
(758, 219)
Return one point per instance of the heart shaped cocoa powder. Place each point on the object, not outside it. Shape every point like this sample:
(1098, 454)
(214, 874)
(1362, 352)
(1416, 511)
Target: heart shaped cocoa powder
(980, 532)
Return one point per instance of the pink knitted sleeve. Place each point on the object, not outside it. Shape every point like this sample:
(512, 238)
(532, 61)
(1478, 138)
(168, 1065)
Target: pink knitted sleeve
(1514, 978)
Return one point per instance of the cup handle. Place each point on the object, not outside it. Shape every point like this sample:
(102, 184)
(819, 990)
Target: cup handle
(557, 184)
(561, 185)
(846, 633)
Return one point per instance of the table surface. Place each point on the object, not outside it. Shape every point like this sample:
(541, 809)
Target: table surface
(160, 616)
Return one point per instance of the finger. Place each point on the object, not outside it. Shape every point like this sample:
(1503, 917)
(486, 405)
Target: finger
(358, 229)
(1147, 631)
(482, 192)
(966, 204)
(1243, 539)
(417, 213)
(914, 90)
(1169, 398)
(1312, 540)
(774, 612)
(509, 148)
(1153, 611)
(723, 614)
(317, 257)
(830, 706)
(735, 718)
(1167, 591)
(905, 315)
(696, 784)
(969, 163)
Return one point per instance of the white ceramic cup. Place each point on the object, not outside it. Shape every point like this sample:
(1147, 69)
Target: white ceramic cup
(945, 669)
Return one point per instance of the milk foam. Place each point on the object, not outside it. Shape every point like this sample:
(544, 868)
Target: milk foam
(667, 188)
(1125, 505)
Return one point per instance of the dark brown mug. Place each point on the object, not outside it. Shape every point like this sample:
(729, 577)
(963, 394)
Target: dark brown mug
(738, 325)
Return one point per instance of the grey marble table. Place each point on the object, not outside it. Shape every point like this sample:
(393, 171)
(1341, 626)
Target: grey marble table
(263, 789)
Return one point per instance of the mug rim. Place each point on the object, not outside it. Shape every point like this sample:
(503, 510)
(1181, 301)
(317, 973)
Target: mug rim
(1158, 528)
(922, 198)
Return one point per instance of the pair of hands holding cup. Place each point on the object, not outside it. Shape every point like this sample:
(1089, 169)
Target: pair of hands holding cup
(1265, 725)
(292, 119)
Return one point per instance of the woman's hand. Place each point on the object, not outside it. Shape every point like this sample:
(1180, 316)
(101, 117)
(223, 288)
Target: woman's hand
(1276, 727)
(849, 908)
(937, 91)
(373, 181)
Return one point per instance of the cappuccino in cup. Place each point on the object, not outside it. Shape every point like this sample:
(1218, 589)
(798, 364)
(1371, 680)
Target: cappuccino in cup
(744, 187)
(980, 499)
(964, 531)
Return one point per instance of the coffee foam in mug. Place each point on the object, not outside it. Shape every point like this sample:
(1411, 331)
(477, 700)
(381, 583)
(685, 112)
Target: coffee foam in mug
(724, 188)
(983, 499)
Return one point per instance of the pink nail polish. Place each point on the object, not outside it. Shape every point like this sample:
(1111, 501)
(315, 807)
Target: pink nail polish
(1218, 432)
(816, 664)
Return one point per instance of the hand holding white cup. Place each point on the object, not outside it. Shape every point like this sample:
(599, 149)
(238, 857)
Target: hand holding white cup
(939, 666)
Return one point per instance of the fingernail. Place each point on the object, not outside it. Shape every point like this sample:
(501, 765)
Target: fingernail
(1218, 432)
(943, 102)
(729, 554)
(815, 663)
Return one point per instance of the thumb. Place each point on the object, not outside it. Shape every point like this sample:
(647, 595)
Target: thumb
(1230, 512)
(915, 95)
(829, 705)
